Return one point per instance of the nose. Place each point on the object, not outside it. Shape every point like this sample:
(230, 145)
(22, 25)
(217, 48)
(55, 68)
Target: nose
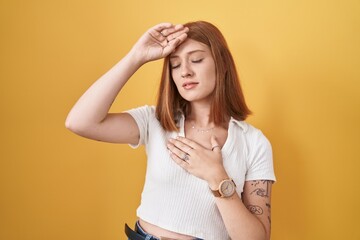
(186, 71)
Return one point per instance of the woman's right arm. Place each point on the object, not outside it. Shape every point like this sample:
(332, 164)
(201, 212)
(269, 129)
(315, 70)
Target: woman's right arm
(90, 116)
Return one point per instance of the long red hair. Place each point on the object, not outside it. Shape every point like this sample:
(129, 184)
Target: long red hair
(228, 98)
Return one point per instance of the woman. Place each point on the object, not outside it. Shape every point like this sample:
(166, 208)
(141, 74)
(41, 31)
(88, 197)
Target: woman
(209, 173)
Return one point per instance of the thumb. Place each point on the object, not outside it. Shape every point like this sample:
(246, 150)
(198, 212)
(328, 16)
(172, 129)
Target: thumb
(214, 144)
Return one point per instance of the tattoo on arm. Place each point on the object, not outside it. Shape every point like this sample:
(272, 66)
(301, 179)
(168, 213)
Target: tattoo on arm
(254, 209)
(261, 188)
(269, 210)
(261, 191)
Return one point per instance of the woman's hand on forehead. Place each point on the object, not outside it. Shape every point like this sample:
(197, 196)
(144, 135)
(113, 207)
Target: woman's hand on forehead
(159, 41)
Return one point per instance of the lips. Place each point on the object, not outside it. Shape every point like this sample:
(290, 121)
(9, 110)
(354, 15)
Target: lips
(189, 85)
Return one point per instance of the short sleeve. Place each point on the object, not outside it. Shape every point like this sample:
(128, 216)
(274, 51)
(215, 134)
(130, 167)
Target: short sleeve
(260, 158)
(142, 117)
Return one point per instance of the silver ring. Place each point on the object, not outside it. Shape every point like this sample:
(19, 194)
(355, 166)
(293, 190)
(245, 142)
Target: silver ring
(212, 149)
(186, 157)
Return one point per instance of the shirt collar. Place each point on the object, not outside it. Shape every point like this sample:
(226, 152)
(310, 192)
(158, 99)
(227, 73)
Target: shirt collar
(241, 124)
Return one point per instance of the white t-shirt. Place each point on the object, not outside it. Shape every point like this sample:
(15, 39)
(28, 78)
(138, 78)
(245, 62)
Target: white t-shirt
(177, 201)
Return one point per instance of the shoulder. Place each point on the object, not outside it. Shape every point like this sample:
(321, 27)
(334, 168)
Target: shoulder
(149, 108)
(144, 115)
(143, 110)
(247, 129)
(252, 135)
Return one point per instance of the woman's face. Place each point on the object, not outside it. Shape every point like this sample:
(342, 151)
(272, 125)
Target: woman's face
(193, 70)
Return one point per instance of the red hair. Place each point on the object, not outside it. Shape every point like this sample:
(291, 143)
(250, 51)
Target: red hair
(228, 98)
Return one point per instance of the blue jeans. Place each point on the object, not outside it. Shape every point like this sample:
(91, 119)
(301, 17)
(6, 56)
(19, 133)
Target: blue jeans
(148, 236)
(141, 231)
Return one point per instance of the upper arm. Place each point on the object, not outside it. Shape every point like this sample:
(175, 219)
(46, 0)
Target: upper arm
(115, 128)
(257, 199)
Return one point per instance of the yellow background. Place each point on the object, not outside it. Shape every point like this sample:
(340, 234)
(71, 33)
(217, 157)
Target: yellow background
(299, 66)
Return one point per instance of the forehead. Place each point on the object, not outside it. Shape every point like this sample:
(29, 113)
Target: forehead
(189, 46)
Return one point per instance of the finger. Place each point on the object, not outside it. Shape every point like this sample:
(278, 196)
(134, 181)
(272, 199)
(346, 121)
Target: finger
(170, 46)
(188, 142)
(157, 31)
(177, 151)
(177, 41)
(167, 31)
(177, 155)
(161, 26)
(180, 145)
(177, 34)
(214, 144)
(179, 161)
(181, 38)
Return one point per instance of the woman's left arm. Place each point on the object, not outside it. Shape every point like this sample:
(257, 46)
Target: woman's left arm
(245, 219)
(249, 217)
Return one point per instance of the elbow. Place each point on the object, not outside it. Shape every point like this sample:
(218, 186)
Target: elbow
(73, 125)
(70, 125)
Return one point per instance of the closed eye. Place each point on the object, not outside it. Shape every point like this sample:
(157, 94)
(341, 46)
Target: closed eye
(193, 61)
(197, 61)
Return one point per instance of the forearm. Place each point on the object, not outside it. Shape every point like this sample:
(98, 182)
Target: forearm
(239, 222)
(93, 106)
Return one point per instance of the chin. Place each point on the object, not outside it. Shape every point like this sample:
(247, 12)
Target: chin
(193, 97)
(189, 99)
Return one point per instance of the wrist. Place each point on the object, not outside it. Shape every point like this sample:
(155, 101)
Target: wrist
(216, 179)
(226, 189)
(136, 58)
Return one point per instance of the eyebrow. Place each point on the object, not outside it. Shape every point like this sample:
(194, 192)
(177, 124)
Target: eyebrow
(188, 53)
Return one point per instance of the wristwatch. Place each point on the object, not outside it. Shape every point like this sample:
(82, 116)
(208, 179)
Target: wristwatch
(226, 189)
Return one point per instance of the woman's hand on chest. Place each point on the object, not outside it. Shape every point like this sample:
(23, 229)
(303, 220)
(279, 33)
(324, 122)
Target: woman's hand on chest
(203, 162)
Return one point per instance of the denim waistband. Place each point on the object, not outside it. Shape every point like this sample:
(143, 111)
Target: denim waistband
(141, 231)
(148, 236)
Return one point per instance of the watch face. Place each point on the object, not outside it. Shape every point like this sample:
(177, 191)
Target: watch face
(227, 188)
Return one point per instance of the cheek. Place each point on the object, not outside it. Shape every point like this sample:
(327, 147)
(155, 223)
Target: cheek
(175, 74)
(211, 75)
(210, 68)
(177, 81)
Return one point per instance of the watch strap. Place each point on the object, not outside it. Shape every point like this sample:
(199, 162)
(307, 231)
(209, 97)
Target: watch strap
(216, 193)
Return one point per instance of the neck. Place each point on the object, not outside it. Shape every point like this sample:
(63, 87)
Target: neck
(200, 115)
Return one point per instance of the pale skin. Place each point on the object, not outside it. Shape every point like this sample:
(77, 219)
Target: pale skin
(245, 218)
